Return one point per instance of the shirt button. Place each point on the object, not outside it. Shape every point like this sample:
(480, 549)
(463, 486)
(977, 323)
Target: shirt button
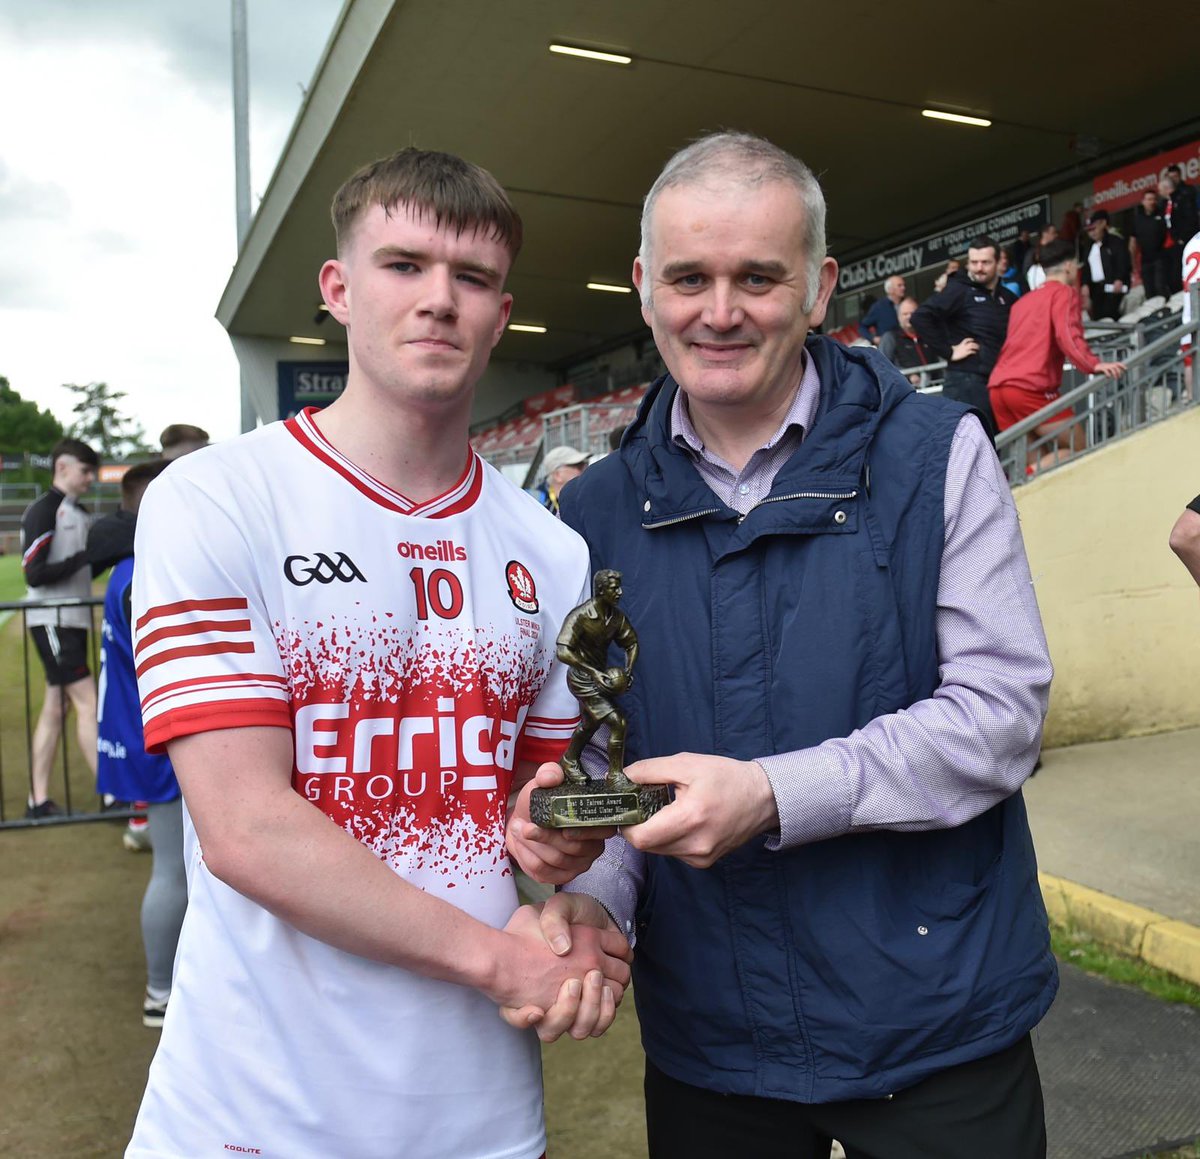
(743, 488)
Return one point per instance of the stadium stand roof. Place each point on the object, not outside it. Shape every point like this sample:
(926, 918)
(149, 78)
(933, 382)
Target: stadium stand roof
(578, 142)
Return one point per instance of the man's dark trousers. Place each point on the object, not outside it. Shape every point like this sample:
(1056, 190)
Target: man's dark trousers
(987, 1109)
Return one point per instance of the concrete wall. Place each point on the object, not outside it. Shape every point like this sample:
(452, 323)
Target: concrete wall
(1122, 615)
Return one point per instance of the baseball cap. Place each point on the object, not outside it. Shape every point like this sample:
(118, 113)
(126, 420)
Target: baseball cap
(1097, 215)
(563, 456)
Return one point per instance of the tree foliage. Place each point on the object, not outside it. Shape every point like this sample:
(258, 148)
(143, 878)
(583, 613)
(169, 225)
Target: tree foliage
(24, 426)
(100, 423)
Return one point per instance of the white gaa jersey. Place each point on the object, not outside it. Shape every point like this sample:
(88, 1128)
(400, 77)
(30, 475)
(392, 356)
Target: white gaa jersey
(1191, 275)
(410, 649)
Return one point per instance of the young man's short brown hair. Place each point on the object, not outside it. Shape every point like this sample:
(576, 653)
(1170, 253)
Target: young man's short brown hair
(457, 194)
(179, 433)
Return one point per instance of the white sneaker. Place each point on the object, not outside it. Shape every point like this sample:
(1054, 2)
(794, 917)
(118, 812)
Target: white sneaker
(136, 840)
(153, 1012)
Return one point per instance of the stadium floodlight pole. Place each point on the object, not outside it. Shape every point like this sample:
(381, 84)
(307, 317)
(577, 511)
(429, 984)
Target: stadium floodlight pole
(241, 120)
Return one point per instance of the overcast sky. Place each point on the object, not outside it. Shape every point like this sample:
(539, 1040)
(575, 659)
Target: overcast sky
(117, 221)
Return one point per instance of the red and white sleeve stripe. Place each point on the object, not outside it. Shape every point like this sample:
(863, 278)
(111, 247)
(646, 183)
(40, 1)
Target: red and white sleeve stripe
(199, 669)
(545, 738)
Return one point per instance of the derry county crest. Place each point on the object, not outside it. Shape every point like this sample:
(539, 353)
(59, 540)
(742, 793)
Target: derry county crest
(521, 588)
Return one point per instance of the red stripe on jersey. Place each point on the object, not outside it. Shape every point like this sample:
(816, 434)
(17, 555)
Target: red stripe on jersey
(196, 718)
(539, 749)
(458, 498)
(230, 678)
(470, 486)
(191, 628)
(193, 650)
(42, 541)
(384, 496)
(228, 604)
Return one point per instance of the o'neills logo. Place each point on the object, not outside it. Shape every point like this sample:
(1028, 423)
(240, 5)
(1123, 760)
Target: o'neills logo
(444, 550)
(521, 588)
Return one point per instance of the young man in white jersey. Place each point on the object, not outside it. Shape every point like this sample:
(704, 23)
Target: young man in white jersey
(344, 632)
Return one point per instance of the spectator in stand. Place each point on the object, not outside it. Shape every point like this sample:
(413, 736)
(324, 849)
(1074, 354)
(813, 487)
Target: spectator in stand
(126, 770)
(1072, 223)
(1175, 173)
(1032, 269)
(952, 267)
(902, 347)
(1044, 328)
(54, 559)
(181, 439)
(881, 318)
(965, 325)
(1146, 244)
(561, 465)
(1185, 538)
(1010, 279)
(1020, 248)
(1106, 268)
(1180, 218)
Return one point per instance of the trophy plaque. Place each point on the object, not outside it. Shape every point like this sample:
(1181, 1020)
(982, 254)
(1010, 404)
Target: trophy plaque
(583, 646)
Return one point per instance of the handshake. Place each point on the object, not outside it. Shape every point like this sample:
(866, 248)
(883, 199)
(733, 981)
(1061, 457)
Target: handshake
(574, 964)
(719, 804)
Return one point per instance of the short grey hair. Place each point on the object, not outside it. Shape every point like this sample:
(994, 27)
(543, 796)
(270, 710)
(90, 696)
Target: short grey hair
(749, 161)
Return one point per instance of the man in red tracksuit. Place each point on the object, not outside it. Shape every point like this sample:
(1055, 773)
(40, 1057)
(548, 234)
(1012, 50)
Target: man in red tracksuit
(1044, 329)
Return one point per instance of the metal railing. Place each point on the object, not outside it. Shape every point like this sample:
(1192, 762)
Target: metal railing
(1151, 389)
(75, 791)
(928, 378)
(1105, 409)
(584, 426)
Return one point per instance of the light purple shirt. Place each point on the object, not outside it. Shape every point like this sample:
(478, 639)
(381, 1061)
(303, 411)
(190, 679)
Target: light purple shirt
(943, 760)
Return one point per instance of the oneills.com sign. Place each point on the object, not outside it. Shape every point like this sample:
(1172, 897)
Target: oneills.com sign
(1121, 188)
(936, 248)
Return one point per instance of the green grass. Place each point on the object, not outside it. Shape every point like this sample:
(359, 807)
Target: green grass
(1076, 948)
(15, 652)
(12, 582)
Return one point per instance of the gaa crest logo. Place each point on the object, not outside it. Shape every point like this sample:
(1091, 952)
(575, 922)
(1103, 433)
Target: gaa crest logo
(521, 588)
(303, 570)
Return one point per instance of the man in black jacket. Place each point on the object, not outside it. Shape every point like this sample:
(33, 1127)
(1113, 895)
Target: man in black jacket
(1149, 233)
(965, 325)
(1106, 268)
(55, 562)
(1181, 218)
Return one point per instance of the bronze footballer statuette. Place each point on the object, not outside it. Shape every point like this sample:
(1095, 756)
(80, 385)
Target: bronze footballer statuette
(583, 646)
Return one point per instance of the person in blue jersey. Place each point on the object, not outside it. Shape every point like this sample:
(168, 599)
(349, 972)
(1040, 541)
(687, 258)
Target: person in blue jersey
(125, 769)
